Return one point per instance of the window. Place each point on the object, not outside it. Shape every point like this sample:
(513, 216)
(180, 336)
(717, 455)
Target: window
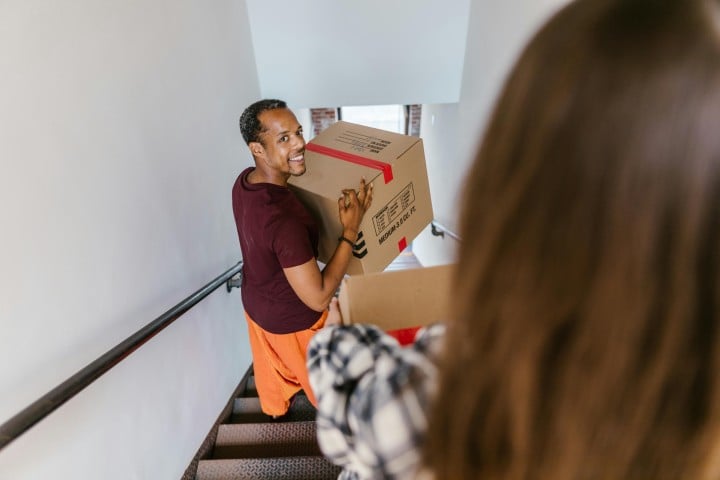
(384, 117)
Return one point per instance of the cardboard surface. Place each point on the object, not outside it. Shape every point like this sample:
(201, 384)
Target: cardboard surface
(397, 299)
(337, 159)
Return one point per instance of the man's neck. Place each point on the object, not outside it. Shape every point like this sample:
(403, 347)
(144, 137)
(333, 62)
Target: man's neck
(260, 176)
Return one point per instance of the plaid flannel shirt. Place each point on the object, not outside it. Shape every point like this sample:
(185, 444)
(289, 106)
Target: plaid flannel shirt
(372, 397)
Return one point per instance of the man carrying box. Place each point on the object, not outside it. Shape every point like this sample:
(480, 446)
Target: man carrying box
(285, 294)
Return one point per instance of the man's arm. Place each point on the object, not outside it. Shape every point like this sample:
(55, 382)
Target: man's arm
(314, 287)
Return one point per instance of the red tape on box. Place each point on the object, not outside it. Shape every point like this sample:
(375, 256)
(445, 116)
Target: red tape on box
(402, 244)
(385, 168)
(404, 336)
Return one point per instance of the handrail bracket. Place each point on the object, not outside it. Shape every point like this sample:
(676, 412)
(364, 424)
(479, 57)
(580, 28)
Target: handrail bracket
(234, 282)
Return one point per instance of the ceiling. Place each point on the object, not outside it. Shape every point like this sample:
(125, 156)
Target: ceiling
(328, 53)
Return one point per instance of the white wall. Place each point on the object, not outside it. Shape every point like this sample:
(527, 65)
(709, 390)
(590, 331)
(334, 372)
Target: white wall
(497, 32)
(119, 146)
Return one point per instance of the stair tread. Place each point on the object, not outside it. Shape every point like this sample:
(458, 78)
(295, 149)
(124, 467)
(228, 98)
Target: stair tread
(247, 410)
(265, 433)
(297, 468)
(260, 440)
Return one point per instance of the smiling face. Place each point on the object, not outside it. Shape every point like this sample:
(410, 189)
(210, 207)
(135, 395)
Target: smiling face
(280, 152)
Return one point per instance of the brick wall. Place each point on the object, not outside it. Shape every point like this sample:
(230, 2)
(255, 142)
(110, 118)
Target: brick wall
(322, 118)
(414, 123)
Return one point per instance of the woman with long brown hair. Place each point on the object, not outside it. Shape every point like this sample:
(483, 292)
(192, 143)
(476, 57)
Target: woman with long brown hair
(586, 341)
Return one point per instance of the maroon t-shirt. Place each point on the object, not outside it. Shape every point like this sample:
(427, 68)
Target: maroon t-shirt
(275, 232)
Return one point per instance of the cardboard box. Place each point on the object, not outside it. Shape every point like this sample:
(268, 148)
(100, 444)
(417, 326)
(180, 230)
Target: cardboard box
(398, 299)
(395, 164)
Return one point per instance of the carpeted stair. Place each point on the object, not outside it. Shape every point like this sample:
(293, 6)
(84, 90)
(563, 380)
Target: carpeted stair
(252, 445)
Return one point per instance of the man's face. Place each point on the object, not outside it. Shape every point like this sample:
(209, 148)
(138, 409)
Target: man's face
(283, 147)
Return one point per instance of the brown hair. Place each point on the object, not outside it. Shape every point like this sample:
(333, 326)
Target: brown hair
(586, 340)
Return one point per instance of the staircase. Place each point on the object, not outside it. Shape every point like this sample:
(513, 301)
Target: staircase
(252, 445)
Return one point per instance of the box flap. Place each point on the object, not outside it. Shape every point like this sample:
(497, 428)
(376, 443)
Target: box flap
(368, 142)
(334, 158)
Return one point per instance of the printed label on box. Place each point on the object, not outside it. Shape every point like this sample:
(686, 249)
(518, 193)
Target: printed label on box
(361, 143)
(395, 213)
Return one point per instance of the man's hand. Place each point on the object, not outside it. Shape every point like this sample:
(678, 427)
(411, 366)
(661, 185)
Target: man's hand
(334, 316)
(352, 206)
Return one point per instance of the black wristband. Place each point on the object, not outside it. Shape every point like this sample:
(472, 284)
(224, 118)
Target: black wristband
(342, 238)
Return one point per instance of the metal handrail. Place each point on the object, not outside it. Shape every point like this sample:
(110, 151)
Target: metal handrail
(45, 405)
(439, 230)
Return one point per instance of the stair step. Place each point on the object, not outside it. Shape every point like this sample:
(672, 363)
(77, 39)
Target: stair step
(250, 388)
(296, 468)
(246, 440)
(247, 410)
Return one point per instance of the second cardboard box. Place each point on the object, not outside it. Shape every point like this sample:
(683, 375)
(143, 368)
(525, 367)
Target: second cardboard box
(398, 299)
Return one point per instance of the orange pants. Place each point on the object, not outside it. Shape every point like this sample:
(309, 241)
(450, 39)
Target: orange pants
(279, 365)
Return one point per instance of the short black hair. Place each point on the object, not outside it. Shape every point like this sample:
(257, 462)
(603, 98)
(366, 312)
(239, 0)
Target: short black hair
(250, 126)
